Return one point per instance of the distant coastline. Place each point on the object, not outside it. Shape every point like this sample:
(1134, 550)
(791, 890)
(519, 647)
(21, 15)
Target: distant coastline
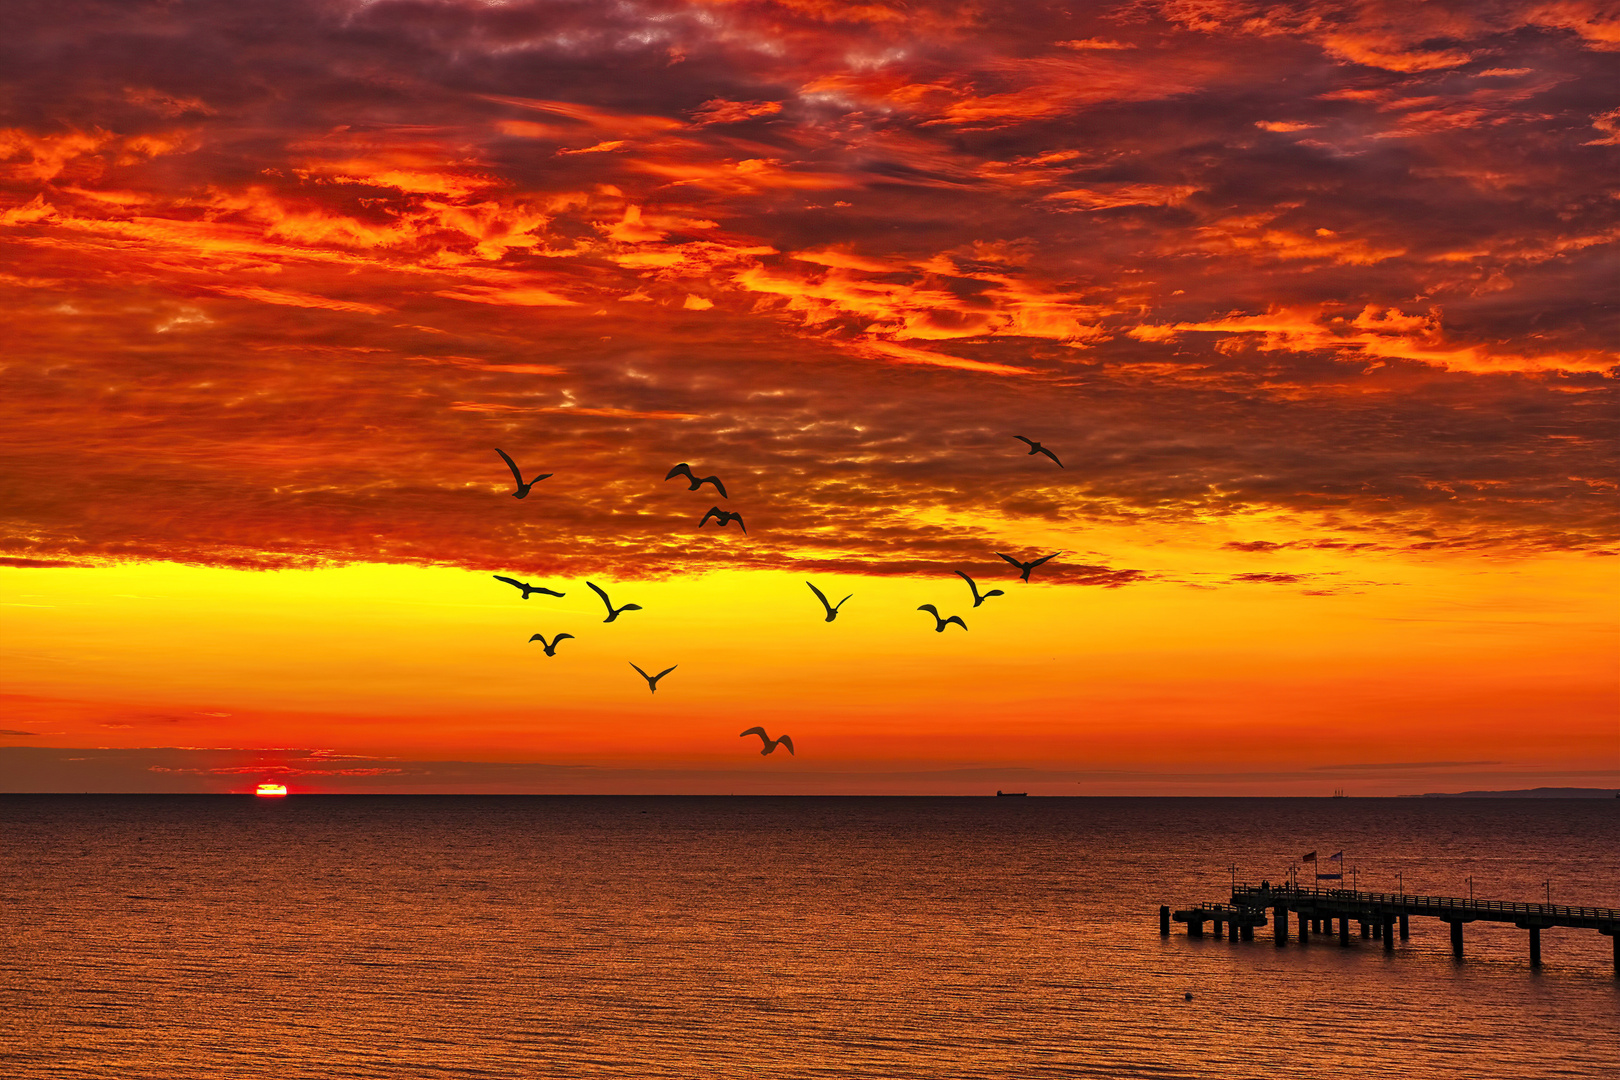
(1523, 793)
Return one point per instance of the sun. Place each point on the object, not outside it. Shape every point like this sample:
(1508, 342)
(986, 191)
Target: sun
(268, 790)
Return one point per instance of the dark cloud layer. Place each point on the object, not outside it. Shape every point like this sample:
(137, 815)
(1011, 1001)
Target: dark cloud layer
(281, 276)
(199, 770)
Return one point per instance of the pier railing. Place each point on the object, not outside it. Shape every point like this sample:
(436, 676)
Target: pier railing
(1417, 903)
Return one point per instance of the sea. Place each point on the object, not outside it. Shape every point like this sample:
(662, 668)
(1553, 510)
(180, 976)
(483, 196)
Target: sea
(468, 936)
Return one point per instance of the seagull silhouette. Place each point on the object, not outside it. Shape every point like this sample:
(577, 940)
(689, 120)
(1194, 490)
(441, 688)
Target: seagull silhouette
(525, 586)
(770, 743)
(832, 609)
(941, 624)
(1026, 567)
(550, 646)
(652, 680)
(1037, 448)
(522, 488)
(724, 517)
(613, 612)
(978, 599)
(683, 469)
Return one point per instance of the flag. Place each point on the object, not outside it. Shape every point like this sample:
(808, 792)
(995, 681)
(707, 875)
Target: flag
(1339, 858)
(1308, 858)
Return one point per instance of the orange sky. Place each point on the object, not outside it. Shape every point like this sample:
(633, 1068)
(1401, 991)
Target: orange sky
(1316, 305)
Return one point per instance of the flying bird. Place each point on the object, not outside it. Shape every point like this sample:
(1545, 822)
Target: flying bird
(832, 609)
(770, 743)
(652, 680)
(613, 612)
(1037, 448)
(724, 517)
(683, 469)
(1026, 567)
(977, 598)
(525, 586)
(941, 624)
(550, 646)
(522, 488)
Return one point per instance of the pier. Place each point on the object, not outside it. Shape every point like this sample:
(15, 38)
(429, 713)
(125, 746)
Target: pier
(1379, 916)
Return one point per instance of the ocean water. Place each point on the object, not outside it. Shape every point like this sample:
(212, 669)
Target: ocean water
(411, 936)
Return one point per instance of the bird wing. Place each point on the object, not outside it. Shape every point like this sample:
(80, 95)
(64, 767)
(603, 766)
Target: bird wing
(550, 592)
(754, 731)
(930, 608)
(1043, 558)
(666, 671)
(994, 592)
(510, 464)
(718, 486)
(1012, 560)
(558, 638)
(602, 594)
(643, 674)
(509, 581)
(841, 602)
(1020, 438)
(740, 523)
(787, 741)
(682, 469)
(1051, 455)
(541, 638)
(957, 619)
(969, 580)
(631, 607)
(821, 597)
(714, 512)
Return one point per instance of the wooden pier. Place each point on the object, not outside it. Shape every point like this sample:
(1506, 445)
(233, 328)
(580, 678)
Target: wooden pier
(1378, 915)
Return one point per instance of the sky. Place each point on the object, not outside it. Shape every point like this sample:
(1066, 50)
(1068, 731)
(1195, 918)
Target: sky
(1315, 303)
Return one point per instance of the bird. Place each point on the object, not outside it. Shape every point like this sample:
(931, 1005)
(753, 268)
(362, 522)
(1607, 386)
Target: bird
(941, 624)
(832, 609)
(652, 680)
(770, 743)
(550, 646)
(1026, 567)
(978, 599)
(613, 612)
(683, 469)
(522, 488)
(1037, 448)
(724, 517)
(526, 587)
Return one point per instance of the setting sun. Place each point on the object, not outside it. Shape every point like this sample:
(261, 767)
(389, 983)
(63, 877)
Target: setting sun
(270, 791)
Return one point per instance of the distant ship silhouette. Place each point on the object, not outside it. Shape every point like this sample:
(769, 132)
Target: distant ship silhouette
(1011, 794)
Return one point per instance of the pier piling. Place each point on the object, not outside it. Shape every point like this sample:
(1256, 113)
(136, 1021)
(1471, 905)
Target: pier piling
(1279, 925)
(1405, 930)
(1164, 920)
(1456, 938)
(1344, 929)
(1535, 946)
(1387, 926)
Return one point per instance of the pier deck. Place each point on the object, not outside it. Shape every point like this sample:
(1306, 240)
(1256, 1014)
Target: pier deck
(1379, 913)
